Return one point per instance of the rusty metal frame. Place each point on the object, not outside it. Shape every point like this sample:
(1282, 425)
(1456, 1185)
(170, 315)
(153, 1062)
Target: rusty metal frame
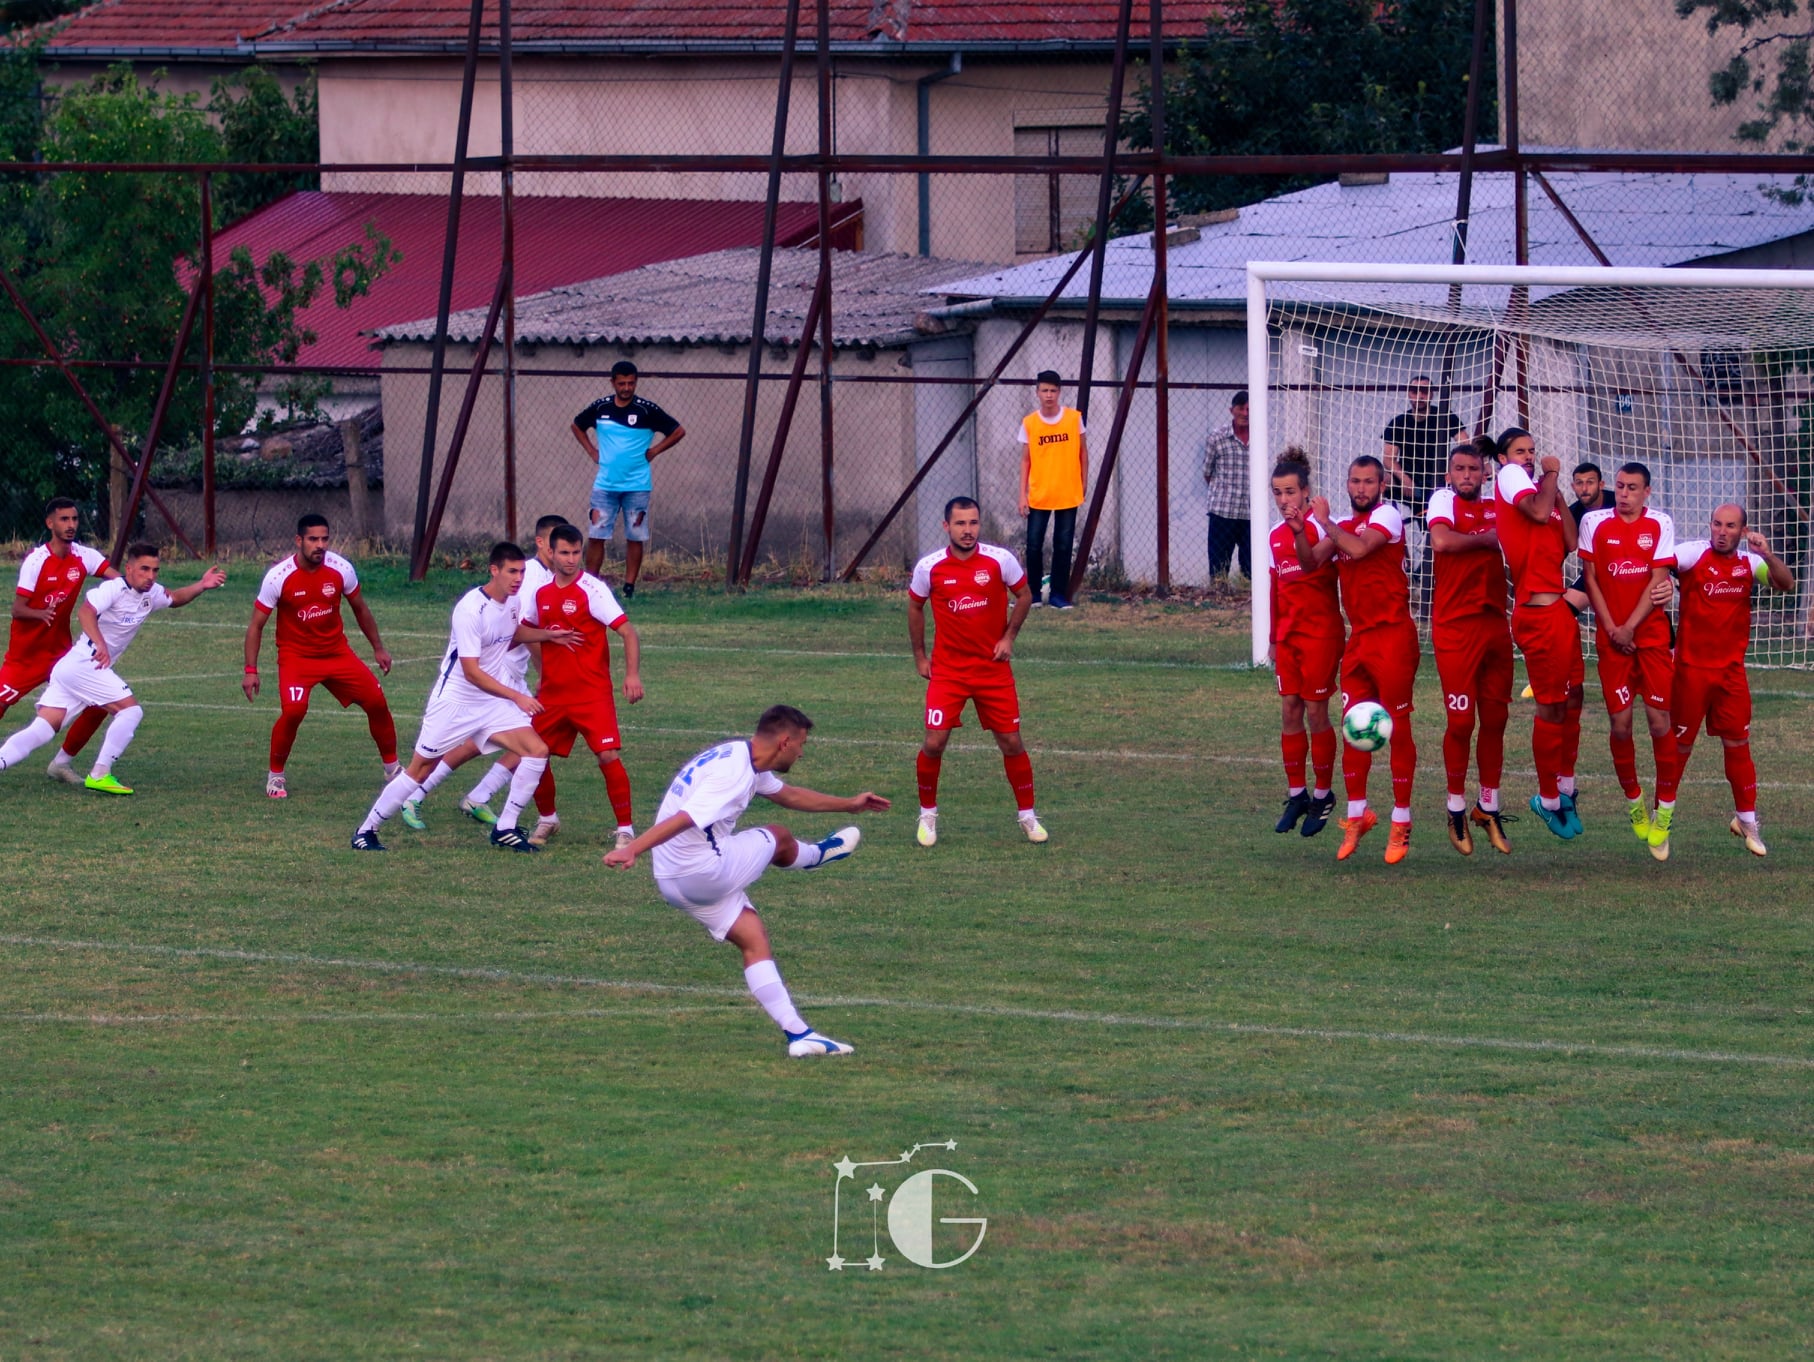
(1162, 418)
(467, 401)
(1099, 245)
(1081, 567)
(828, 518)
(507, 202)
(783, 424)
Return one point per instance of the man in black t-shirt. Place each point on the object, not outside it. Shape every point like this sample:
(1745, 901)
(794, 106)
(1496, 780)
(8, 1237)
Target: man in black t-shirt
(1417, 443)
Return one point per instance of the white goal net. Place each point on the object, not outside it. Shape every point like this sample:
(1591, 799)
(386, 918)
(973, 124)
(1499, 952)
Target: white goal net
(1704, 376)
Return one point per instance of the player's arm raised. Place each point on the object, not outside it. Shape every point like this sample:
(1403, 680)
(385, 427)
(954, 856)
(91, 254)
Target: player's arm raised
(1547, 497)
(803, 800)
(255, 642)
(368, 626)
(1023, 606)
(916, 635)
(1781, 579)
(212, 579)
(623, 857)
(632, 662)
(1350, 545)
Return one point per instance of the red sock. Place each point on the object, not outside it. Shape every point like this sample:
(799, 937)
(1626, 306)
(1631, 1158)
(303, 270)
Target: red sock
(1404, 762)
(1020, 776)
(544, 793)
(1457, 738)
(1571, 743)
(1356, 767)
(1492, 743)
(617, 787)
(1322, 758)
(383, 730)
(1295, 746)
(283, 735)
(83, 729)
(1625, 765)
(1741, 775)
(927, 768)
(1547, 744)
(1669, 767)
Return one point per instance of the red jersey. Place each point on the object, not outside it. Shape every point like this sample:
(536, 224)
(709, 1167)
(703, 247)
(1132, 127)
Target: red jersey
(1533, 552)
(50, 581)
(970, 599)
(1467, 584)
(306, 602)
(1623, 555)
(574, 676)
(1304, 600)
(1715, 624)
(1375, 590)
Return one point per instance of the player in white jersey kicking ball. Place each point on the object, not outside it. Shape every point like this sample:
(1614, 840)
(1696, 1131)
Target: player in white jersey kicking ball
(704, 866)
(473, 708)
(110, 615)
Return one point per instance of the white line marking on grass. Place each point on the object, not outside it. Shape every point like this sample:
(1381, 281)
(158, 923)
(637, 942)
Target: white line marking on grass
(360, 1018)
(1106, 1019)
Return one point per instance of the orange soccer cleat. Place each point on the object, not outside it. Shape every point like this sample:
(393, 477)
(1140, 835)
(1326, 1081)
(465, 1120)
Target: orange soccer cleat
(1353, 829)
(1398, 843)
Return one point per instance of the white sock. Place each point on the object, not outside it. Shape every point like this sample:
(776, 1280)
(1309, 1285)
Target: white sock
(1665, 804)
(491, 782)
(523, 780)
(621, 827)
(1553, 805)
(61, 759)
(1749, 820)
(1400, 814)
(1356, 807)
(119, 735)
(1566, 784)
(1294, 790)
(26, 741)
(1321, 794)
(929, 812)
(765, 983)
(392, 797)
(1027, 815)
(1489, 799)
(441, 772)
(806, 856)
(1457, 803)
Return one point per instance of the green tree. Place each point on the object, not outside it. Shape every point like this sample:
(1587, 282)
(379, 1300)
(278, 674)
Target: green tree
(1310, 77)
(1772, 66)
(259, 125)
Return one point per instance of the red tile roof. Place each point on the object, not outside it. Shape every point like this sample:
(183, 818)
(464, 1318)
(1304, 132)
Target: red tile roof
(167, 24)
(558, 241)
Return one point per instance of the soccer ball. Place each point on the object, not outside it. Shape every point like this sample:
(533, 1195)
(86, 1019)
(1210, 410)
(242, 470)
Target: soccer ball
(1367, 725)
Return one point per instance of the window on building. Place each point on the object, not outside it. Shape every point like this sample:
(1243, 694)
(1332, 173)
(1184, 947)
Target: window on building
(1051, 212)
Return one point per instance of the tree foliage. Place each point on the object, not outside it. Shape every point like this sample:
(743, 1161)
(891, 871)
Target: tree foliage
(1772, 67)
(1307, 77)
(259, 125)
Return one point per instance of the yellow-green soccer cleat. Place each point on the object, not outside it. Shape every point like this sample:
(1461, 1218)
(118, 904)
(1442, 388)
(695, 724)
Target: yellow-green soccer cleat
(106, 785)
(1659, 833)
(1640, 820)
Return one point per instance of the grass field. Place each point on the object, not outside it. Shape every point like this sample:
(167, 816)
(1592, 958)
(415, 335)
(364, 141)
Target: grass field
(266, 1097)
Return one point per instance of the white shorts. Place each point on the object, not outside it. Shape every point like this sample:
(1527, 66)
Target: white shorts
(452, 719)
(76, 682)
(714, 898)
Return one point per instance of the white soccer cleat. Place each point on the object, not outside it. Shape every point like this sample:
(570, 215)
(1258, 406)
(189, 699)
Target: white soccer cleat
(274, 786)
(927, 836)
(813, 1046)
(65, 772)
(544, 829)
(625, 836)
(392, 770)
(1753, 833)
(837, 846)
(1034, 829)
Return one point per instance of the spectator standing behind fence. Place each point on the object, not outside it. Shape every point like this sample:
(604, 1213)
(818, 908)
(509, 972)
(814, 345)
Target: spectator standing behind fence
(1226, 476)
(1054, 468)
(620, 433)
(1417, 443)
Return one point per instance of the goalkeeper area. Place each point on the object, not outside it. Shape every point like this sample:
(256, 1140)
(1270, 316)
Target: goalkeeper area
(1705, 376)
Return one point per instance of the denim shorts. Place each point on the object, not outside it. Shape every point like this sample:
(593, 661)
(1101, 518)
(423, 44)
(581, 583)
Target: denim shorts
(605, 506)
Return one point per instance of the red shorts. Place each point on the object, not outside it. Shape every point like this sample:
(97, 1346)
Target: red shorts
(1307, 665)
(1719, 695)
(347, 679)
(20, 679)
(997, 703)
(1474, 663)
(1550, 640)
(1626, 678)
(1381, 664)
(595, 721)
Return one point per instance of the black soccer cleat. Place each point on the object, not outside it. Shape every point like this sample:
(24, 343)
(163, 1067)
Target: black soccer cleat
(512, 839)
(1318, 815)
(1295, 808)
(367, 841)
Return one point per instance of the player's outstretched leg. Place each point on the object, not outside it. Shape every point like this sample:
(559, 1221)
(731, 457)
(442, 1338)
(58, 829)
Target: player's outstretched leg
(763, 977)
(113, 747)
(82, 727)
(406, 786)
(26, 741)
(477, 802)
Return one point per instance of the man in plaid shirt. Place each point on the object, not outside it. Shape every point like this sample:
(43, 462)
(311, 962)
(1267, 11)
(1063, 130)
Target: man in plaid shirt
(1225, 474)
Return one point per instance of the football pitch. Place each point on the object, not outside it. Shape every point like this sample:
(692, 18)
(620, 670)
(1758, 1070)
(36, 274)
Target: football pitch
(1217, 1095)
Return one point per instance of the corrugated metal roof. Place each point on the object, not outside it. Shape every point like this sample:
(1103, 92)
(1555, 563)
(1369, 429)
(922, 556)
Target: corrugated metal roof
(165, 25)
(709, 299)
(1651, 219)
(558, 241)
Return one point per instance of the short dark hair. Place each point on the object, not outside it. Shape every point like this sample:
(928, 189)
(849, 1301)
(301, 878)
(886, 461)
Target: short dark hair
(308, 522)
(1418, 378)
(56, 504)
(1239, 399)
(1048, 376)
(564, 533)
(502, 553)
(1634, 467)
(1471, 448)
(548, 522)
(1368, 461)
(958, 503)
(1585, 467)
(1293, 463)
(141, 548)
(778, 717)
(622, 368)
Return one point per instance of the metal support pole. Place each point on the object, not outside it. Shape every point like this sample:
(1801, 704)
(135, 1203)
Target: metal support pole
(747, 435)
(988, 385)
(923, 89)
(166, 391)
(1111, 141)
(207, 364)
(1113, 450)
(432, 530)
(431, 419)
(507, 199)
(1470, 135)
(759, 517)
(827, 502)
(1162, 467)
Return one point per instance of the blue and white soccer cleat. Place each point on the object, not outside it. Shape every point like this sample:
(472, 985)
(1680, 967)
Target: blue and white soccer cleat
(367, 841)
(837, 846)
(1556, 820)
(512, 839)
(812, 1045)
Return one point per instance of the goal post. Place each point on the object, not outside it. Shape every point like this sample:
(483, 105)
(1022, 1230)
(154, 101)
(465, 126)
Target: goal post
(1706, 376)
